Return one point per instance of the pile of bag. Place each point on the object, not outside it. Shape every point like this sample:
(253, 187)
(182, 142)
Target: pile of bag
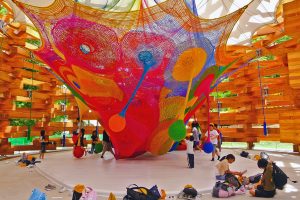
(230, 187)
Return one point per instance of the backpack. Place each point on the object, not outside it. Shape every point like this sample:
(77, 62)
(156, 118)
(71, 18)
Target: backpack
(190, 191)
(233, 181)
(244, 154)
(222, 190)
(279, 177)
(135, 192)
(37, 195)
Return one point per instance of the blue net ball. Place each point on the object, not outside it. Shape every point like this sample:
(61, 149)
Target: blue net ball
(208, 147)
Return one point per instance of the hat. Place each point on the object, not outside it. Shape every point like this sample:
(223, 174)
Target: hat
(188, 186)
(79, 188)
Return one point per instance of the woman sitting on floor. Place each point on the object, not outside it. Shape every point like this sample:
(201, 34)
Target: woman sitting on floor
(223, 167)
(267, 187)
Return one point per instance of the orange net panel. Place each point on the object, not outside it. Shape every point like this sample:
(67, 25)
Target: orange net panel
(144, 71)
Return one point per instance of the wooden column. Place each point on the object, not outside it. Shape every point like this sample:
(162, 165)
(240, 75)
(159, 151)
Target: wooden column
(250, 145)
(296, 148)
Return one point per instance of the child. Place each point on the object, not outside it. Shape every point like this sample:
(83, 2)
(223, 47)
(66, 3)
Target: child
(223, 167)
(196, 137)
(107, 146)
(94, 141)
(190, 151)
(214, 140)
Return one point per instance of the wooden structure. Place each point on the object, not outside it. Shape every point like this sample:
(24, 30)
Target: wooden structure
(240, 111)
(29, 93)
(24, 79)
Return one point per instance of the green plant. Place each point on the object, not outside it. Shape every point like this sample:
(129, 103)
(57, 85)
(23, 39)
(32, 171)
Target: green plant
(21, 141)
(264, 58)
(30, 87)
(59, 118)
(35, 62)
(22, 122)
(62, 101)
(272, 76)
(222, 110)
(222, 94)
(258, 38)
(226, 80)
(3, 10)
(29, 69)
(23, 104)
(34, 42)
(280, 40)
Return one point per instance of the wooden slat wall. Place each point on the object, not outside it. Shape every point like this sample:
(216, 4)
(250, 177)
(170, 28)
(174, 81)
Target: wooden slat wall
(282, 104)
(12, 79)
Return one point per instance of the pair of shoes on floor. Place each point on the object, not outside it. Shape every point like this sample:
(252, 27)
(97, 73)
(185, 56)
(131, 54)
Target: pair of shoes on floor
(50, 187)
(62, 189)
(241, 190)
(30, 166)
(213, 159)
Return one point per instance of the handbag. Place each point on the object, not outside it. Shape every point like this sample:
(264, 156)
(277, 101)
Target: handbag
(135, 192)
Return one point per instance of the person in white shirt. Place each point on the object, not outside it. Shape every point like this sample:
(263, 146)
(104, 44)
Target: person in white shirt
(196, 137)
(190, 151)
(80, 125)
(214, 140)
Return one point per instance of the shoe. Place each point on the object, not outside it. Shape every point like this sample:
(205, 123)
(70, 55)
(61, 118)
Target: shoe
(62, 189)
(30, 166)
(241, 190)
(213, 159)
(101, 156)
(218, 157)
(50, 187)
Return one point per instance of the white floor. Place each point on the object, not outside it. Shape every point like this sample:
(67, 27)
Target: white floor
(17, 183)
(169, 172)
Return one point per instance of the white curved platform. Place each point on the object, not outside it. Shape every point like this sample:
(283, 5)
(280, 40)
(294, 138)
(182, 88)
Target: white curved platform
(168, 172)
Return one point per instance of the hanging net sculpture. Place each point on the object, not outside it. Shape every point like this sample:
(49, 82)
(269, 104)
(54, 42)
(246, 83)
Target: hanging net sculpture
(144, 71)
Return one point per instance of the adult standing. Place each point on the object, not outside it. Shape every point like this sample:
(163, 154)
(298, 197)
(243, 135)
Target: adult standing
(220, 137)
(81, 137)
(94, 141)
(106, 144)
(80, 125)
(43, 144)
(214, 140)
